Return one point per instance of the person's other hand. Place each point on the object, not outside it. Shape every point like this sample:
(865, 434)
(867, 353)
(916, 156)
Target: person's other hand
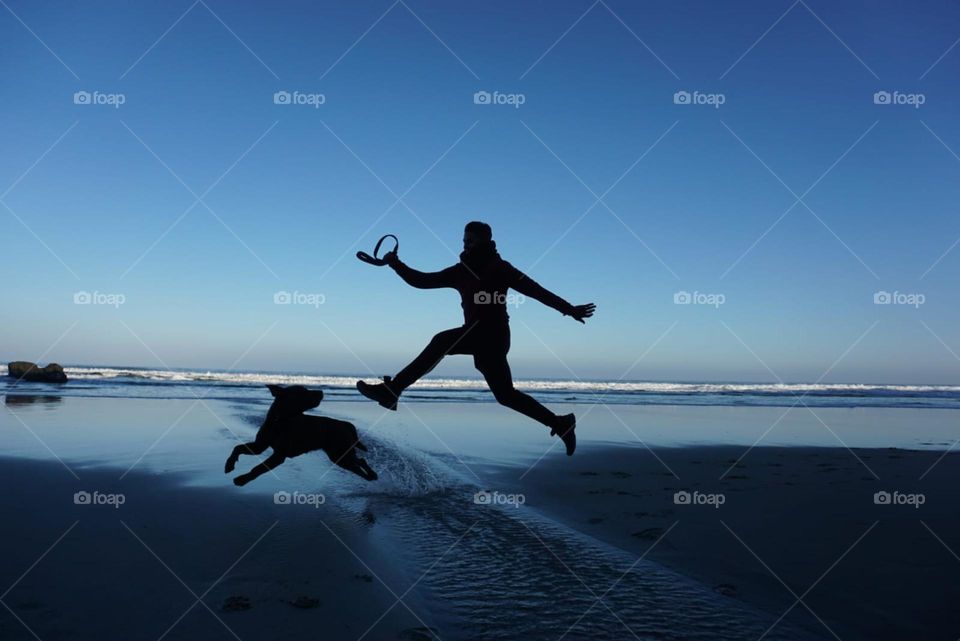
(580, 312)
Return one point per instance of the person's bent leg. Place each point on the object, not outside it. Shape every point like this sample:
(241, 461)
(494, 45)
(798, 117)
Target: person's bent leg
(496, 371)
(387, 393)
(446, 342)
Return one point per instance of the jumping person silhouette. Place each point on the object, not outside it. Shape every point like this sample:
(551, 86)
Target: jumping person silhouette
(482, 279)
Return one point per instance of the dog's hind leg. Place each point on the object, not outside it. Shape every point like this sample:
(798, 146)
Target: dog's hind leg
(362, 446)
(359, 467)
(371, 475)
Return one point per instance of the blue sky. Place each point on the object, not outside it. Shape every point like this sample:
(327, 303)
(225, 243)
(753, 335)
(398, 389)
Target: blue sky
(694, 198)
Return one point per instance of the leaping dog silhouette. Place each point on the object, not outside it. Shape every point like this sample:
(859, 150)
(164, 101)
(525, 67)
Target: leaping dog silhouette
(291, 433)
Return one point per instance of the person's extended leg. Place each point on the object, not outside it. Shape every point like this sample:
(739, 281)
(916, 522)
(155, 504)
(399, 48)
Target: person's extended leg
(496, 371)
(452, 341)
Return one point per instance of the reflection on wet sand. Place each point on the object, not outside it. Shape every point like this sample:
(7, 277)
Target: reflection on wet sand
(32, 399)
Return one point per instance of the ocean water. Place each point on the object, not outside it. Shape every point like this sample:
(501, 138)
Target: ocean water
(138, 382)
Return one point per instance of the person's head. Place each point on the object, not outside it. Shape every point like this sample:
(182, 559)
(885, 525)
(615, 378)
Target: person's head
(475, 233)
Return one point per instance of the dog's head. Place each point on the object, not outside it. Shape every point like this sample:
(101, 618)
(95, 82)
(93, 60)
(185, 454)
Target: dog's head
(293, 400)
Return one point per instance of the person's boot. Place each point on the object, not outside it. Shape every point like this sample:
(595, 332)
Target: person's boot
(565, 427)
(382, 393)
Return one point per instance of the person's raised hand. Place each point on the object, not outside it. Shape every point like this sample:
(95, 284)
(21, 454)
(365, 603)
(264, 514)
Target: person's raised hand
(579, 312)
(391, 258)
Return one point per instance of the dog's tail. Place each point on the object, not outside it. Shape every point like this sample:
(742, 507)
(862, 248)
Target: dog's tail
(362, 446)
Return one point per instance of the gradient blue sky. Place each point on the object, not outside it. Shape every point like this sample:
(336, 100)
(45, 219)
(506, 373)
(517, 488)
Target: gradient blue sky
(292, 210)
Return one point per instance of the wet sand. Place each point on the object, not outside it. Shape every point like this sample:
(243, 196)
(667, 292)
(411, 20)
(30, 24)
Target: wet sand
(180, 562)
(599, 547)
(778, 524)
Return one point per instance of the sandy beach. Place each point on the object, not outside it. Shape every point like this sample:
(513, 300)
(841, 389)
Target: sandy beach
(180, 562)
(784, 524)
(594, 546)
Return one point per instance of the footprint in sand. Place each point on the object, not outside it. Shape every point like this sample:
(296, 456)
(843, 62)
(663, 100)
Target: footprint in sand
(726, 589)
(236, 603)
(418, 634)
(649, 534)
(589, 474)
(305, 602)
(621, 475)
(658, 513)
(363, 577)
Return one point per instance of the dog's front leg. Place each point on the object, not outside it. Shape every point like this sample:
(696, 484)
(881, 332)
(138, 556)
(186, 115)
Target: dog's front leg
(244, 448)
(272, 461)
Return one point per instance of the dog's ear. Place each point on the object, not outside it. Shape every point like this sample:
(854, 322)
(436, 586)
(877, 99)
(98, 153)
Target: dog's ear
(275, 389)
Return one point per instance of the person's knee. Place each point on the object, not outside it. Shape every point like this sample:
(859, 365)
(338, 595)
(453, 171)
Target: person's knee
(505, 394)
(444, 338)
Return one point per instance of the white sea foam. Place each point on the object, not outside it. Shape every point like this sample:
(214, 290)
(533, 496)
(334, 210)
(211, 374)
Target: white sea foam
(466, 384)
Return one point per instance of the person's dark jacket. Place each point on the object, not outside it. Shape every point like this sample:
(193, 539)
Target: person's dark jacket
(482, 278)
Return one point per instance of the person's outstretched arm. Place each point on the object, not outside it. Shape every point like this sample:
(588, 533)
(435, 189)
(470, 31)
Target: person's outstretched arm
(421, 280)
(529, 287)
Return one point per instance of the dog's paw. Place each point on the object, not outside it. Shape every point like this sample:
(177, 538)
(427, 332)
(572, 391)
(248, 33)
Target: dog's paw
(241, 480)
(229, 466)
